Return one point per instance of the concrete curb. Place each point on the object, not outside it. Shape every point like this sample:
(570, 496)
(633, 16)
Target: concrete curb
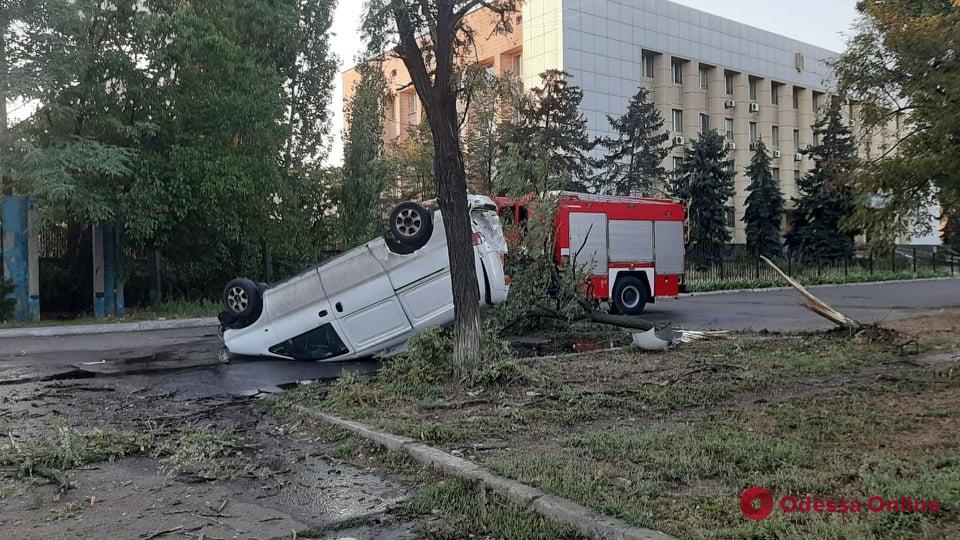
(107, 328)
(578, 517)
(823, 286)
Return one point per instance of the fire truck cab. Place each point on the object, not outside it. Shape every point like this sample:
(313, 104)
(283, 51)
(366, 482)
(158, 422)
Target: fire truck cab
(632, 248)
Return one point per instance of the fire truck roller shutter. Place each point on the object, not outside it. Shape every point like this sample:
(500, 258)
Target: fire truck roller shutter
(589, 231)
(668, 247)
(631, 241)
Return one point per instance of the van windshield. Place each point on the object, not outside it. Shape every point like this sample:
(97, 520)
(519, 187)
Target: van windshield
(487, 222)
(317, 344)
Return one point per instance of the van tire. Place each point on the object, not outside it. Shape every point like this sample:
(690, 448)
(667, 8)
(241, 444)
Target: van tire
(411, 226)
(629, 295)
(243, 301)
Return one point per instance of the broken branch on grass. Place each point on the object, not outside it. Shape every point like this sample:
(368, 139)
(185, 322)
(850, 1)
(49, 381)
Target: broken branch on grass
(814, 304)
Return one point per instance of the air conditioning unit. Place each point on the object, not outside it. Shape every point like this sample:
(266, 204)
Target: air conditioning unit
(754, 107)
(678, 140)
(731, 145)
(753, 146)
(798, 157)
(777, 154)
(730, 103)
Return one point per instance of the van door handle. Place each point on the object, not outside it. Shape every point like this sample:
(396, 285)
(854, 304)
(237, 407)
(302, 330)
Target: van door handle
(339, 307)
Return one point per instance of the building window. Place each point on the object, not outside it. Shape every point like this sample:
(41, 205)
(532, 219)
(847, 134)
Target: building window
(796, 176)
(704, 78)
(775, 137)
(776, 174)
(648, 64)
(412, 103)
(728, 83)
(704, 123)
(796, 97)
(731, 217)
(677, 120)
(677, 163)
(728, 128)
(678, 72)
(796, 140)
(753, 132)
(753, 89)
(774, 93)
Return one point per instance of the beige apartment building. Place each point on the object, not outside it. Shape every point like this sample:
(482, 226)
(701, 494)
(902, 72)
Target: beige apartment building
(705, 72)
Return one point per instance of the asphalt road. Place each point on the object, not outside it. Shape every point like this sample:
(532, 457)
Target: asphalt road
(46, 357)
(779, 309)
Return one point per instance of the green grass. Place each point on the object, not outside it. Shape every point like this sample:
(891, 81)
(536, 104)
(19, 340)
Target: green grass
(671, 440)
(467, 512)
(174, 309)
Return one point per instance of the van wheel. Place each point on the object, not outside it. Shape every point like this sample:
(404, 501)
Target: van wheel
(243, 300)
(629, 295)
(411, 226)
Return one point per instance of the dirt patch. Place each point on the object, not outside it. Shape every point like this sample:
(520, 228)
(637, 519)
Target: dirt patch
(216, 465)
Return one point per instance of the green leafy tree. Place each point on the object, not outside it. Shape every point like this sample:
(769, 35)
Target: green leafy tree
(704, 182)
(634, 160)
(410, 165)
(364, 172)
(492, 101)
(552, 125)
(903, 70)
(764, 205)
(825, 198)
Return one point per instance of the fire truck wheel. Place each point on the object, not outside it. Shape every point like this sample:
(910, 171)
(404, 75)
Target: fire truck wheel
(629, 295)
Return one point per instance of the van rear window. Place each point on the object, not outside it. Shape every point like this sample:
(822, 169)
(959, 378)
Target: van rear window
(317, 344)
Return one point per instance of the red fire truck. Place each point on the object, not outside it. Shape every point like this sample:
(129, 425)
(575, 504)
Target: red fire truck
(632, 247)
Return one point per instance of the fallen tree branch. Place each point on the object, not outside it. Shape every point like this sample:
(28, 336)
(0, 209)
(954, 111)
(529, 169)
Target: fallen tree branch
(814, 304)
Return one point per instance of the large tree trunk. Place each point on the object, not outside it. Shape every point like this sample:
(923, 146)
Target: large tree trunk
(452, 194)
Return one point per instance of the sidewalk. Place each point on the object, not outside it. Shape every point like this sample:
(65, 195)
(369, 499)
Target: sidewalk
(107, 328)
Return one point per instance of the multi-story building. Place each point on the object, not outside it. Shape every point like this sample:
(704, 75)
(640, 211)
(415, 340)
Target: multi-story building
(705, 72)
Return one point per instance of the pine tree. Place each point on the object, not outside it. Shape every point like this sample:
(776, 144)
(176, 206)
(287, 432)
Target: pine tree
(704, 182)
(764, 205)
(825, 196)
(634, 160)
(551, 126)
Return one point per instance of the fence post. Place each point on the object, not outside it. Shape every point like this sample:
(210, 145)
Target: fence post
(934, 257)
(757, 261)
(819, 266)
(914, 260)
(789, 263)
(893, 260)
(870, 260)
(846, 264)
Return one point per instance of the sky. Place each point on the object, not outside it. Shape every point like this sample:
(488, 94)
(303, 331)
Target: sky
(820, 22)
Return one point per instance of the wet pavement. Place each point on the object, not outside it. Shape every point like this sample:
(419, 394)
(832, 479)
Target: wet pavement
(140, 384)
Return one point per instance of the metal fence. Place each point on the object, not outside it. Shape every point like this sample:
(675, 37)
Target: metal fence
(735, 266)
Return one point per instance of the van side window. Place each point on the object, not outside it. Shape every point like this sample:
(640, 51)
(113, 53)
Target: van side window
(506, 215)
(317, 344)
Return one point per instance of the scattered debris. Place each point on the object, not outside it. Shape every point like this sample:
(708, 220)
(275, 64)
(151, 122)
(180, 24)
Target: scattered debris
(670, 338)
